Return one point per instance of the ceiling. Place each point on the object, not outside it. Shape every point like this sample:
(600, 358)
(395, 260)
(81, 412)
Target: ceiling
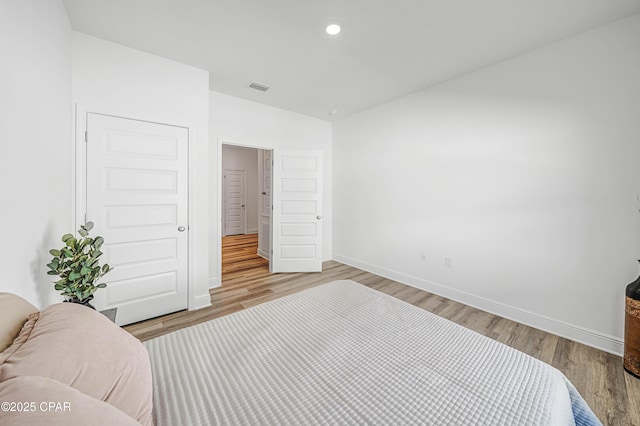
(386, 49)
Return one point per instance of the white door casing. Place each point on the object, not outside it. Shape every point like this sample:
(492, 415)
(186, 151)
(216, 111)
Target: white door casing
(234, 202)
(137, 197)
(297, 211)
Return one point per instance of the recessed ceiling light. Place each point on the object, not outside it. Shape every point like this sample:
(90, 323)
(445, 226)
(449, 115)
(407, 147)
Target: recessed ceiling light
(333, 29)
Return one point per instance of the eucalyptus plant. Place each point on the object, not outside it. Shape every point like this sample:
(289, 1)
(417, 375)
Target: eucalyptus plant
(78, 266)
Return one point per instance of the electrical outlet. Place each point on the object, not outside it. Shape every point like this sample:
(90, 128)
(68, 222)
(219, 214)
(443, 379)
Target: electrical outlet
(448, 262)
(423, 257)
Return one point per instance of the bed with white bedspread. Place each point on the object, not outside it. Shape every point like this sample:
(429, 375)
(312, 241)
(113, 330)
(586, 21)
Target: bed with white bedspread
(342, 353)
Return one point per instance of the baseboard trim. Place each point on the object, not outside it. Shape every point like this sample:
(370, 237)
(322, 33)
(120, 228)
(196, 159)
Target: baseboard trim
(251, 231)
(200, 302)
(213, 282)
(579, 334)
(263, 254)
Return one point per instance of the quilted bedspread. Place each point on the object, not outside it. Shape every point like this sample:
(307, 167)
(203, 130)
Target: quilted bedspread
(342, 353)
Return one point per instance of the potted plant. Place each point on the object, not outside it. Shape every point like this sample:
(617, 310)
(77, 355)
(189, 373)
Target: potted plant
(78, 266)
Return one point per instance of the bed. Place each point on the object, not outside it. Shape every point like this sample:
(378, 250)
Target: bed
(342, 353)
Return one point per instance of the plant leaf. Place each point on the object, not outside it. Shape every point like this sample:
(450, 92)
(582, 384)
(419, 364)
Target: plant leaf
(98, 242)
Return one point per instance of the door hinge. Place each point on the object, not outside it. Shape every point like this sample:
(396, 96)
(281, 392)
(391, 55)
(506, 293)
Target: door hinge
(86, 136)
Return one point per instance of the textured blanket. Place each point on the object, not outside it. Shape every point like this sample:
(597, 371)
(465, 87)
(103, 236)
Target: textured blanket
(342, 353)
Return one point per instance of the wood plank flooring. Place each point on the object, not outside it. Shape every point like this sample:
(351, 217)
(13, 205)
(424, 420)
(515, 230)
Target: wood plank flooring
(612, 394)
(239, 254)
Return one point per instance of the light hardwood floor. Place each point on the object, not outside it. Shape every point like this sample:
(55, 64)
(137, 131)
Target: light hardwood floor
(612, 394)
(239, 254)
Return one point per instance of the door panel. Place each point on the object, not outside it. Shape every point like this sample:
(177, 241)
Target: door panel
(297, 211)
(137, 197)
(264, 232)
(234, 202)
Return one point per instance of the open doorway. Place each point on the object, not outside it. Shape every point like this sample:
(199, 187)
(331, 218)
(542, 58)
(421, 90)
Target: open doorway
(246, 211)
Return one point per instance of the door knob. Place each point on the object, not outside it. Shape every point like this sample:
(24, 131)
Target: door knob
(318, 217)
(181, 228)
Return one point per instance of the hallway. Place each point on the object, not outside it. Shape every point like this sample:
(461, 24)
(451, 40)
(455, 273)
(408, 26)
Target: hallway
(239, 257)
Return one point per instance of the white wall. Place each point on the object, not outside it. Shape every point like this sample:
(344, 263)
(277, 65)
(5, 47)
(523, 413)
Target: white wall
(240, 158)
(240, 122)
(35, 138)
(112, 79)
(524, 173)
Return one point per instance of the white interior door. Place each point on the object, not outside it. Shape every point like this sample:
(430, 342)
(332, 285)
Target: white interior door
(264, 223)
(234, 202)
(137, 197)
(297, 211)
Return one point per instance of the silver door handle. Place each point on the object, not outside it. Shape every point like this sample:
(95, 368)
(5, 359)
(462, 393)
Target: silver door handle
(181, 228)
(318, 217)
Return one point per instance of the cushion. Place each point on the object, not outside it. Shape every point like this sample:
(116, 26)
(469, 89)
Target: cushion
(81, 348)
(14, 311)
(42, 401)
(22, 337)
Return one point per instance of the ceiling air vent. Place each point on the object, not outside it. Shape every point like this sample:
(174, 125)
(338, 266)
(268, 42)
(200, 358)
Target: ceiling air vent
(260, 87)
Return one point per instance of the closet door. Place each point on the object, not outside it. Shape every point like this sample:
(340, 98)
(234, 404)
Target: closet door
(137, 197)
